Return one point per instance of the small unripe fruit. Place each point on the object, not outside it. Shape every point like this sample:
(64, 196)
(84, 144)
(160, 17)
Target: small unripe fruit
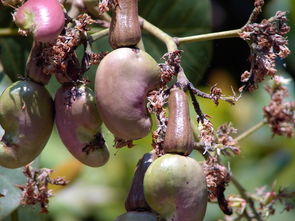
(175, 187)
(43, 18)
(125, 28)
(26, 115)
(135, 200)
(137, 216)
(123, 79)
(179, 134)
(78, 124)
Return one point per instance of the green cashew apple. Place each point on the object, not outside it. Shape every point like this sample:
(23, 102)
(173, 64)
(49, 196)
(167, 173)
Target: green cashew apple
(26, 115)
(175, 187)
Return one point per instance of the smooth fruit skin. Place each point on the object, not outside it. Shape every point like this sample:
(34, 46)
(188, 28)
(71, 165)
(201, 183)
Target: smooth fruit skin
(125, 28)
(175, 187)
(135, 199)
(179, 134)
(123, 79)
(137, 216)
(78, 124)
(43, 18)
(26, 115)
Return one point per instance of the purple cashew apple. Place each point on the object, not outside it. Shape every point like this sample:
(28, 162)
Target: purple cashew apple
(175, 187)
(27, 116)
(137, 216)
(43, 18)
(123, 79)
(78, 124)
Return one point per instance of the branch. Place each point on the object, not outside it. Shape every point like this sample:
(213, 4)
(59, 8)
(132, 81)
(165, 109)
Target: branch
(250, 131)
(209, 36)
(244, 194)
(158, 33)
(97, 35)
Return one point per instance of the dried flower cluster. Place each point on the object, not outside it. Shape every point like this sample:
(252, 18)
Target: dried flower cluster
(267, 42)
(280, 114)
(119, 143)
(268, 199)
(156, 101)
(217, 178)
(36, 189)
(171, 66)
(228, 144)
(106, 5)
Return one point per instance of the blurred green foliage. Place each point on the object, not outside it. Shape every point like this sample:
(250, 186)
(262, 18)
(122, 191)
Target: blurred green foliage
(99, 193)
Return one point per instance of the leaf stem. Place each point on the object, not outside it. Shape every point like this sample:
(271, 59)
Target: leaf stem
(98, 35)
(158, 33)
(209, 36)
(250, 131)
(244, 194)
(8, 32)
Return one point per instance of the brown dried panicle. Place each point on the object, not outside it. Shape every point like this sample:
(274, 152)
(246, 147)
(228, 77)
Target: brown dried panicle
(207, 136)
(171, 66)
(280, 114)
(36, 188)
(106, 5)
(215, 94)
(217, 178)
(268, 199)
(267, 42)
(119, 143)
(229, 144)
(156, 101)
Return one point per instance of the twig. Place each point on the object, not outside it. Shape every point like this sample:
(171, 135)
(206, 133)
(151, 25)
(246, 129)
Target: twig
(8, 32)
(209, 36)
(158, 33)
(250, 131)
(196, 105)
(244, 194)
(98, 35)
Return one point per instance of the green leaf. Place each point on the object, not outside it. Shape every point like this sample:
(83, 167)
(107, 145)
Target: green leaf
(13, 54)
(12, 195)
(178, 18)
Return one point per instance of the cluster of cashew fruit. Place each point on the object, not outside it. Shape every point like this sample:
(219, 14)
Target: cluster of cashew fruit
(169, 187)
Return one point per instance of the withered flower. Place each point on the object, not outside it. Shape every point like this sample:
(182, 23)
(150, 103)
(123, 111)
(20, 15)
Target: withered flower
(36, 188)
(279, 113)
(267, 42)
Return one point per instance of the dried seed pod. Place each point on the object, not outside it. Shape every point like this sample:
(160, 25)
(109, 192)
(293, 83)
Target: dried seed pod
(175, 187)
(35, 64)
(125, 27)
(26, 115)
(44, 19)
(123, 79)
(179, 134)
(78, 124)
(137, 216)
(135, 200)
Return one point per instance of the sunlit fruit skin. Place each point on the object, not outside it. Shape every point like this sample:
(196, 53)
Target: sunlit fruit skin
(43, 18)
(27, 116)
(125, 27)
(137, 216)
(175, 187)
(179, 134)
(123, 79)
(78, 124)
